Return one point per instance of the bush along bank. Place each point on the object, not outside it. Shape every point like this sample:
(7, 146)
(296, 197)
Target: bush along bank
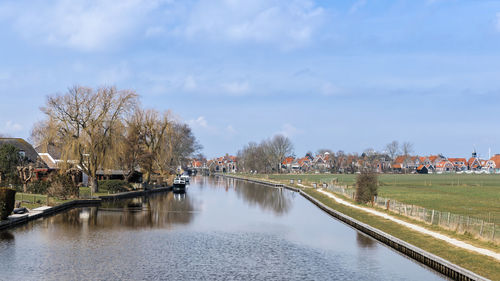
(7, 201)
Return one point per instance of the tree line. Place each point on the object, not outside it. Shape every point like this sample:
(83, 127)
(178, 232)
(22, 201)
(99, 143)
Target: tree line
(106, 128)
(266, 156)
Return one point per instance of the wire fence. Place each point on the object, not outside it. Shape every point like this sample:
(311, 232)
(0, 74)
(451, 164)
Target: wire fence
(32, 198)
(476, 227)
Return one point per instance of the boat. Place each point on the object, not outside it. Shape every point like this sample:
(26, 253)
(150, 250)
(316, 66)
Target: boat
(185, 177)
(179, 185)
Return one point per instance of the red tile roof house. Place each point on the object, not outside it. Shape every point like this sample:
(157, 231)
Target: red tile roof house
(460, 164)
(474, 164)
(225, 164)
(488, 166)
(496, 160)
(287, 163)
(407, 163)
(320, 163)
(445, 166)
(304, 163)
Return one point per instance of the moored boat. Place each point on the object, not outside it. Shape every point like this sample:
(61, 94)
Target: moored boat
(179, 185)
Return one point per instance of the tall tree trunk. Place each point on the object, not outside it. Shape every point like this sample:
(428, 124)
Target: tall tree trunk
(25, 187)
(94, 186)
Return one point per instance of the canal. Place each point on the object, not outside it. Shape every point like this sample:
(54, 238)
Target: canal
(219, 229)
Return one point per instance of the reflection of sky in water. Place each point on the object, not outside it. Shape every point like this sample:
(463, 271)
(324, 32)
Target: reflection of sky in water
(220, 229)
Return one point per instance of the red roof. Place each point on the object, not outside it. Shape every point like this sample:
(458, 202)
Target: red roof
(496, 159)
(400, 159)
(288, 160)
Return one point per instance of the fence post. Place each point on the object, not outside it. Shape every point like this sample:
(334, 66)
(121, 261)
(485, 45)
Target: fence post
(481, 231)
(449, 219)
(388, 202)
(432, 217)
(493, 233)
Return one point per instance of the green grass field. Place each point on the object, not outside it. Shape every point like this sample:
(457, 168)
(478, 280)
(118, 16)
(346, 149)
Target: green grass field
(470, 195)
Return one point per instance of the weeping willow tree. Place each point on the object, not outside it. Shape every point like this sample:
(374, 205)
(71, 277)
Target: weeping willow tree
(87, 123)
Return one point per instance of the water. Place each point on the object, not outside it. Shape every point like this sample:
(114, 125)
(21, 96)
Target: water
(220, 229)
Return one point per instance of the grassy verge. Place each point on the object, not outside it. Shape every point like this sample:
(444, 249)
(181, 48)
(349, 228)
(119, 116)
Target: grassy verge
(480, 264)
(85, 192)
(32, 201)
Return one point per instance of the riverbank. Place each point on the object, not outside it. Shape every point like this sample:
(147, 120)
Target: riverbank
(445, 258)
(45, 211)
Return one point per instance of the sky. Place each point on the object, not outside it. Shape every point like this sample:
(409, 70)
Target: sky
(342, 75)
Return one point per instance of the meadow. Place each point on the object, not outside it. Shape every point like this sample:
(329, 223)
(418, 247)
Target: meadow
(469, 195)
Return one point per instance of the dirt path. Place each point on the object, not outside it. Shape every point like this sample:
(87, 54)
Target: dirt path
(420, 229)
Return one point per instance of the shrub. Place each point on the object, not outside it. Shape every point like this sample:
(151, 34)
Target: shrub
(7, 201)
(62, 186)
(39, 187)
(114, 186)
(366, 187)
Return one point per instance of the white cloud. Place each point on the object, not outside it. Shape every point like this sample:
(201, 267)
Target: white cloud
(236, 88)
(288, 24)
(199, 122)
(79, 24)
(12, 127)
(288, 130)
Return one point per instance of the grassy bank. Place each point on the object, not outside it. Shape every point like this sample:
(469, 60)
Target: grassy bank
(485, 266)
(469, 195)
(32, 201)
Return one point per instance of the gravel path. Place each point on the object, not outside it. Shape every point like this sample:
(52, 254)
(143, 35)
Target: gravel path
(420, 229)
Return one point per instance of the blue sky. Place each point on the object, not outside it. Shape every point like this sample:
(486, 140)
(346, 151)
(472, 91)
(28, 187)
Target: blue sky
(329, 74)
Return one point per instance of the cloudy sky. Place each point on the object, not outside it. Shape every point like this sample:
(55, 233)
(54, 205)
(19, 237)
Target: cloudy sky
(329, 74)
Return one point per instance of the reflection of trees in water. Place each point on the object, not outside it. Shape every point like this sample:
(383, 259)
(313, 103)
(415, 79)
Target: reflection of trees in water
(6, 236)
(364, 241)
(157, 211)
(277, 200)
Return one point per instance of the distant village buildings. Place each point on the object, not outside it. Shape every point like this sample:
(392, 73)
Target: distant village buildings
(380, 163)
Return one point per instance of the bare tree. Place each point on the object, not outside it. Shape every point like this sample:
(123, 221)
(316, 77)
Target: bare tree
(280, 147)
(407, 149)
(87, 120)
(155, 130)
(130, 147)
(392, 149)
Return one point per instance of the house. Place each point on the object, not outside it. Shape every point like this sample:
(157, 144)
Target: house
(422, 169)
(496, 160)
(304, 163)
(460, 164)
(287, 163)
(488, 166)
(26, 150)
(320, 162)
(224, 164)
(407, 163)
(28, 155)
(474, 163)
(445, 166)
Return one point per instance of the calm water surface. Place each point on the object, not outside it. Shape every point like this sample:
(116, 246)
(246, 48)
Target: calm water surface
(220, 229)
